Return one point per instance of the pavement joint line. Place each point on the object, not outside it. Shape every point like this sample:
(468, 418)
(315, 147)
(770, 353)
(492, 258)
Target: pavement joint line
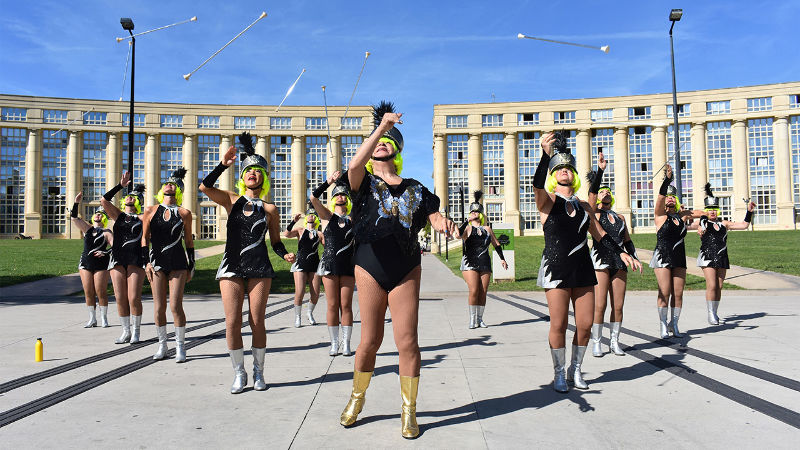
(14, 414)
(319, 386)
(765, 407)
(58, 370)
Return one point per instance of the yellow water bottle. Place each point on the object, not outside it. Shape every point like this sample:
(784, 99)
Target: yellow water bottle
(39, 350)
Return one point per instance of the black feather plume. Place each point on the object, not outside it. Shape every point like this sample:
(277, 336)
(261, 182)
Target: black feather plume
(478, 195)
(590, 175)
(179, 173)
(709, 193)
(560, 142)
(247, 143)
(380, 109)
(139, 188)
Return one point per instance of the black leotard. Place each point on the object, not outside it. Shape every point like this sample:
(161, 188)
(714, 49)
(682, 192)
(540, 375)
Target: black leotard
(246, 254)
(166, 233)
(94, 240)
(713, 245)
(126, 250)
(670, 251)
(565, 259)
(337, 256)
(476, 254)
(307, 257)
(602, 257)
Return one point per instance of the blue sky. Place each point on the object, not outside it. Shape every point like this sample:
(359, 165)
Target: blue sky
(422, 52)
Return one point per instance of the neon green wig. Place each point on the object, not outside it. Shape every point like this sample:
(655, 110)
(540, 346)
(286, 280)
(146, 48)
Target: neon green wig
(613, 200)
(316, 221)
(178, 194)
(136, 203)
(677, 203)
(481, 217)
(264, 186)
(551, 182)
(398, 157)
(104, 220)
(332, 204)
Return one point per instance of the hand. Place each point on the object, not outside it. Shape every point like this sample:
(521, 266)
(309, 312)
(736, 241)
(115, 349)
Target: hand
(631, 262)
(335, 176)
(601, 161)
(668, 172)
(504, 264)
(297, 217)
(229, 157)
(98, 254)
(391, 119)
(189, 275)
(289, 257)
(126, 179)
(700, 232)
(148, 270)
(79, 197)
(449, 228)
(547, 143)
(751, 206)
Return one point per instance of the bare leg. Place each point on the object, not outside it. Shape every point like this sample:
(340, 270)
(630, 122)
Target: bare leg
(119, 280)
(314, 282)
(664, 279)
(558, 306)
(710, 274)
(299, 287)
(619, 285)
(721, 273)
(601, 295)
(485, 278)
(87, 281)
(332, 294)
(177, 281)
(404, 306)
(159, 287)
(136, 278)
(258, 293)
(101, 286)
(474, 284)
(372, 303)
(583, 305)
(232, 291)
(347, 285)
(678, 283)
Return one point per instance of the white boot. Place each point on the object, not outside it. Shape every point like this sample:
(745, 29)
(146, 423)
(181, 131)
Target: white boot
(673, 324)
(180, 344)
(161, 353)
(298, 309)
(104, 316)
(662, 322)
(712, 312)
(125, 323)
(239, 374)
(347, 331)
(137, 326)
(615, 348)
(597, 335)
(311, 307)
(559, 360)
(473, 316)
(716, 316)
(92, 318)
(334, 332)
(479, 320)
(258, 368)
(574, 372)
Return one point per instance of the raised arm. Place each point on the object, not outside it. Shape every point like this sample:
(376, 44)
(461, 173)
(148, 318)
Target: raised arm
(356, 168)
(146, 216)
(219, 196)
(745, 224)
(290, 232)
(77, 221)
(543, 199)
(107, 202)
(660, 207)
(322, 210)
(594, 188)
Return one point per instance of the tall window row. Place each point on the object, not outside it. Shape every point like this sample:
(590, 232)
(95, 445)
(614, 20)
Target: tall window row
(458, 178)
(640, 156)
(603, 139)
(794, 139)
(94, 165)
(528, 154)
(348, 148)
(761, 156)
(12, 179)
(281, 176)
(685, 145)
(139, 141)
(316, 164)
(207, 160)
(54, 181)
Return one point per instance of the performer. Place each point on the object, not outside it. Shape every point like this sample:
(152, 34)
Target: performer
(127, 262)
(336, 266)
(165, 225)
(669, 257)
(713, 256)
(245, 264)
(306, 263)
(93, 266)
(610, 270)
(476, 261)
(566, 272)
(388, 212)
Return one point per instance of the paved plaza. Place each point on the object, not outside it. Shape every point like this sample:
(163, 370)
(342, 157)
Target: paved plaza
(720, 386)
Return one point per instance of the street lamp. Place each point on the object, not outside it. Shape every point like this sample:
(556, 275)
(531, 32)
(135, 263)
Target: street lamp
(675, 16)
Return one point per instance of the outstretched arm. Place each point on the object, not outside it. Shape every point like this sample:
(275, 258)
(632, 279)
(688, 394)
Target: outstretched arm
(748, 218)
(322, 210)
(275, 233)
(107, 200)
(594, 188)
(77, 221)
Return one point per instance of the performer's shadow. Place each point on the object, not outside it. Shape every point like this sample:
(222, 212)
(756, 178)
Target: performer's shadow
(734, 321)
(483, 341)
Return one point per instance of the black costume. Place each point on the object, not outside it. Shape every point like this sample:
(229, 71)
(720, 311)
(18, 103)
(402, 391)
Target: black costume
(127, 241)
(565, 259)
(602, 257)
(307, 257)
(94, 240)
(166, 232)
(337, 256)
(713, 245)
(476, 251)
(246, 254)
(670, 251)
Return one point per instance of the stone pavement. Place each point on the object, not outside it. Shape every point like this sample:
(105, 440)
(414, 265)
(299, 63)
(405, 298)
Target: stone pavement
(720, 386)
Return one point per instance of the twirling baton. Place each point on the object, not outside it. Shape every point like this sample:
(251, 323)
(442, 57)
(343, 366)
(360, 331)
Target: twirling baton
(291, 88)
(186, 77)
(366, 55)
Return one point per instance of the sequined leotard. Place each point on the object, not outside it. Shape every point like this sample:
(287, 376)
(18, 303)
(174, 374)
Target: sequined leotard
(337, 256)
(307, 258)
(166, 233)
(94, 240)
(602, 257)
(713, 245)
(246, 254)
(127, 241)
(476, 254)
(670, 251)
(565, 259)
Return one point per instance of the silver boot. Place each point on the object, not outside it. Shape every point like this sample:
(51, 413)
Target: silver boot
(180, 344)
(161, 353)
(479, 320)
(137, 327)
(712, 312)
(334, 333)
(239, 374)
(311, 307)
(662, 322)
(92, 318)
(298, 309)
(559, 360)
(574, 371)
(597, 335)
(125, 323)
(258, 369)
(673, 324)
(615, 348)
(104, 316)
(473, 316)
(347, 331)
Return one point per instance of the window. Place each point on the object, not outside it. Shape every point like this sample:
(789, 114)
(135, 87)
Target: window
(456, 122)
(794, 101)
(138, 120)
(494, 212)
(639, 113)
(603, 138)
(761, 157)
(719, 151)
(685, 143)
(527, 119)
(94, 165)
(12, 179)
(281, 176)
(208, 222)
(171, 121)
(349, 147)
(207, 121)
(171, 155)
(351, 123)
(725, 208)
(54, 116)
(683, 110)
(54, 181)
(794, 142)
(564, 117)
(244, 123)
(528, 154)
(280, 123)
(14, 114)
(640, 154)
(601, 115)
(722, 107)
(316, 164)
(94, 118)
(492, 120)
(458, 177)
(207, 160)
(759, 104)
(316, 123)
(493, 176)
(139, 140)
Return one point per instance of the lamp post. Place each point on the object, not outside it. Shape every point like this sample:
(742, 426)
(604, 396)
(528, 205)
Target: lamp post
(675, 16)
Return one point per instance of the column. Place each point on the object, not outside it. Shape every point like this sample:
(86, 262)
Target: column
(33, 185)
(113, 160)
(659, 157)
(262, 148)
(622, 175)
(191, 182)
(583, 160)
(440, 175)
(152, 169)
(783, 172)
(298, 175)
(699, 164)
(334, 158)
(74, 178)
(741, 169)
(226, 184)
(474, 163)
(511, 170)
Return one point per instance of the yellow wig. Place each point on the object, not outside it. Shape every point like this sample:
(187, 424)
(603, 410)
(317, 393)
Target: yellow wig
(677, 203)
(613, 200)
(104, 221)
(550, 184)
(241, 188)
(136, 203)
(398, 157)
(332, 204)
(178, 194)
(316, 221)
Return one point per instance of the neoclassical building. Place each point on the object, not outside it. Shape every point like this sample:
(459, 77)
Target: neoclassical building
(53, 148)
(745, 141)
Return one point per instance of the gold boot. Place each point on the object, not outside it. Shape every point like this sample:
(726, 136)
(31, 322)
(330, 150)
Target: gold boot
(356, 403)
(408, 389)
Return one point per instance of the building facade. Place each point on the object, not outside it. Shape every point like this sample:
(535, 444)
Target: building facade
(745, 141)
(53, 148)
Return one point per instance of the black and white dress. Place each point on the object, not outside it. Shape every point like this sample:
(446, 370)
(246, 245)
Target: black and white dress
(476, 254)
(602, 257)
(307, 257)
(94, 240)
(166, 236)
(246, 254)
(670, 250)
(337, 256)
(713, 245)
(565, 259)
(126, 250)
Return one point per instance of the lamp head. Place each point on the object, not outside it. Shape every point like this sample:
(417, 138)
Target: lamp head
(675, 15)
(127, 23)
